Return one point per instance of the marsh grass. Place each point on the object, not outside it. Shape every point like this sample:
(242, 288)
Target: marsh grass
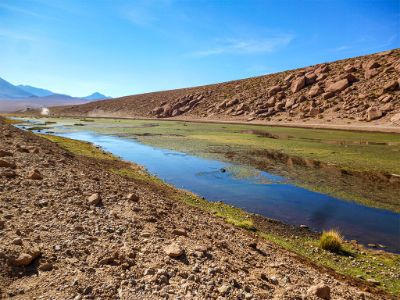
(331, 240)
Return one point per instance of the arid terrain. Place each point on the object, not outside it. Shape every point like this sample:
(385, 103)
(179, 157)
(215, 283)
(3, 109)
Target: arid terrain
(72, 229)
(358, 92)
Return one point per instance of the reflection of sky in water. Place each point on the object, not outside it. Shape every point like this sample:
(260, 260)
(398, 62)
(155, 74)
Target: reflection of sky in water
(272, 198)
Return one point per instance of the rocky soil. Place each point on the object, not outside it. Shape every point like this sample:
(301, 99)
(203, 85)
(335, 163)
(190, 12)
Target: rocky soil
(361, 90)
(70, 229)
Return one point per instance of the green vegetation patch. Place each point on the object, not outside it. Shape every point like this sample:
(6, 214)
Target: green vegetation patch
(79, 147)
(355, 261)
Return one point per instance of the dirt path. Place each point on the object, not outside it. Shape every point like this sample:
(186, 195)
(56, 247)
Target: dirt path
(70, 229)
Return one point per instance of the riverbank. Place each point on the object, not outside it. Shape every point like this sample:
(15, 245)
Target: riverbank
(161, 216)
(354, 264)
(360, 167)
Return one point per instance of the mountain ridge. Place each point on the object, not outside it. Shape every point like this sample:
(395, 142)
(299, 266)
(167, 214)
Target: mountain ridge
(22, 97)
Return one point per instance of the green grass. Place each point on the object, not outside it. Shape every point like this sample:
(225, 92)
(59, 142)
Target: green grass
(358, 262)
(79, 147)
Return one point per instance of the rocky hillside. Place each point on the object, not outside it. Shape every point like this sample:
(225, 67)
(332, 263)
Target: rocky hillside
(355, 90)
(71, 229)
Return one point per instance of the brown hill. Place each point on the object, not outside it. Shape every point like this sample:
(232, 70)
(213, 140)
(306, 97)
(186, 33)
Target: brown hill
(355, 90)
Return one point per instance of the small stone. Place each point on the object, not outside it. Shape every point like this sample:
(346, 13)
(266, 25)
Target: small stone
(17, 241)
(133, 197)
(321, 290)
(373, 281)
(149, 272)
(6, 164)
(23, 259)
(273, 280)
(224, 289)
(94, 199)
(327, 95)
(45, 267)
(181, 232)
(174, 250)
(4, 153)
(35, 175)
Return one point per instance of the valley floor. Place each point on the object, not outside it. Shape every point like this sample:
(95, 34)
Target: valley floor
(85, 226)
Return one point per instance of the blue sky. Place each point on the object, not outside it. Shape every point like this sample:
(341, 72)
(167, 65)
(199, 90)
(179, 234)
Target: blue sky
(127, 47)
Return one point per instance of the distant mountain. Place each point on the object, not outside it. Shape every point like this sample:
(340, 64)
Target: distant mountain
(35, 91)
(8, 90)
(96, 96)
(13, 98)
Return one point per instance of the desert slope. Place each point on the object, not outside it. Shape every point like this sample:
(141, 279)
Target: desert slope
(351, 91)
(71, 229)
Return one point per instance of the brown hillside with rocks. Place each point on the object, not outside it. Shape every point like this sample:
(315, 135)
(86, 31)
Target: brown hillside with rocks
(350, 91)
(71, 229)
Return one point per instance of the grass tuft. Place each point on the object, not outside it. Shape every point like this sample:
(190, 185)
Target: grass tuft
(331, 240)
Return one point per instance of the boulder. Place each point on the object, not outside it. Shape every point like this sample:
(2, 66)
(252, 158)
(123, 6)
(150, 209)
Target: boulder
(349, 68)
(338, 86)
(395, 119)
(321, 291)
(373, 113)
(273, 90)
(351, 78)
(175, 112)
(157, 110)
(371, 64)
(387, 107)
(167, 110)
(310, 78)
(391, 86)
(298, 84)
(288, 78)
(315, 90)
(270, 102)
(321, 69)
(289, 103)
(385, 98)
(232, 102)
(314, 111)
(369, 73)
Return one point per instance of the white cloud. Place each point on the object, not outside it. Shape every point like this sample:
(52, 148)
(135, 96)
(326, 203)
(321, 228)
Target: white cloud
(247, 46)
